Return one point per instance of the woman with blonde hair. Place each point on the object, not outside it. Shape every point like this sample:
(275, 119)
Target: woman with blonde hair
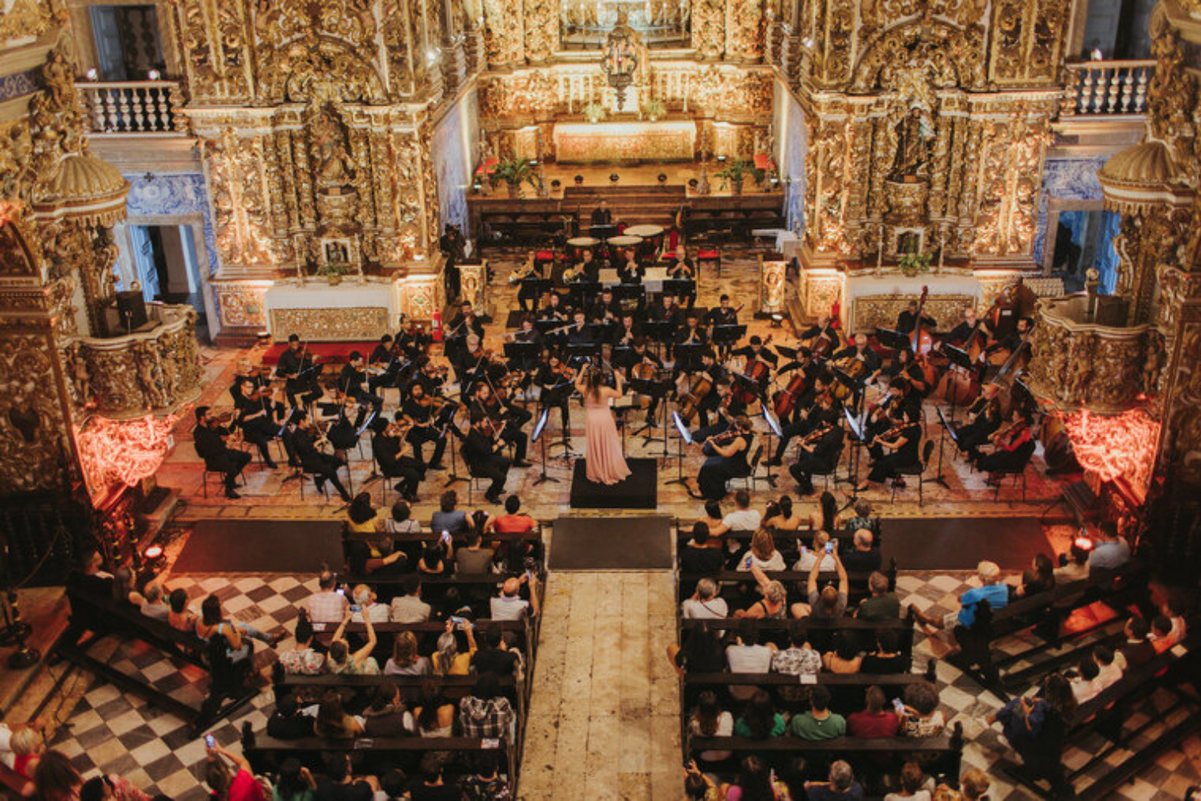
(763, 553)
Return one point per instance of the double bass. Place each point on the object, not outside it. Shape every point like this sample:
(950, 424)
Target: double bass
(921, 341)
(961, 387)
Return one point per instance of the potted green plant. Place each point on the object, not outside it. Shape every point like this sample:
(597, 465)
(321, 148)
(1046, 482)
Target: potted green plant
(514, 172)
(594, 112)
(654, 109)
(913, 263)
(333, 272)
(735, 172)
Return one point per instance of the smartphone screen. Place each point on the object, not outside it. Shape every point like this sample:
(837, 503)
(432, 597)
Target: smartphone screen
(829, 547)
(210, 741)
(340, 591)
(355, 608)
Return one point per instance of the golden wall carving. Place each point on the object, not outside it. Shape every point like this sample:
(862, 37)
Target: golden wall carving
(419, 297)
(881, 311)
(333, 325)
(820, 291)
(35, 451)
(25, 18)
(240, 306)
(709, 28)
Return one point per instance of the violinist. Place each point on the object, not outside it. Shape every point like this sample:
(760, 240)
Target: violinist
(478, 366)
(1008, 452)
(898, 447)
(412, 341)
(383, 367)
(431, 377)
(727, 458)
(394, 454)
(554, 380)
(907, 320)
(322, 466)
(906, 365)
(859, 351)
(253, 411)
(881, 413)
(983, 419)
(726, 405)
(350, 382)
(418, 412)
(482, 451)
(819, 407)
(247, 372)
(210, 440)
(820, 450)
(340, 432)
(505, 418)
(298, 366)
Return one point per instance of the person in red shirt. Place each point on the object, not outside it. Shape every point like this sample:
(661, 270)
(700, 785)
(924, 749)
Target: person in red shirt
(230, 777)
(875, 720)
(511, 522)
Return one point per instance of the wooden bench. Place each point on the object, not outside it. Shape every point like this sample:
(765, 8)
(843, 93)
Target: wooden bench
(856, 582)
(11, 782)
(1108, 712)
(846, 689)
(868, 756)
(369, 755)
(1043, 614)
(104, 618)
(820, 631)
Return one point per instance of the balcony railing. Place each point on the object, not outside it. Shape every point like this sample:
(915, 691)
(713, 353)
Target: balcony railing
(132, 107)
(1106, 88)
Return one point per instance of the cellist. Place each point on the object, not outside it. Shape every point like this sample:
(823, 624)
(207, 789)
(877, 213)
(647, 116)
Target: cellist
(811, 415)
(983, 418)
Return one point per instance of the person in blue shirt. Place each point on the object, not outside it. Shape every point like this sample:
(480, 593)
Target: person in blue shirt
(1111, 552)
(992, 589)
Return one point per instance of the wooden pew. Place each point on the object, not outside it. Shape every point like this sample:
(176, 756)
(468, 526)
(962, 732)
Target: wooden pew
(846, 689)
(821, 632)
(226, 694)
(799, 579)
(1107, 714)
(1043, 614)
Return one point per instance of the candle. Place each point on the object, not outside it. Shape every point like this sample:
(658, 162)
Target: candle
(880, 250)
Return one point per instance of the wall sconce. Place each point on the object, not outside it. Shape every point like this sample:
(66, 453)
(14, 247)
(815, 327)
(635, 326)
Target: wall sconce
(154, 75)
(93, 74)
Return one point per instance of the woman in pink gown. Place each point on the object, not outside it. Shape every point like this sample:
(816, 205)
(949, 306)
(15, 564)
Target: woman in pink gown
(602, 458)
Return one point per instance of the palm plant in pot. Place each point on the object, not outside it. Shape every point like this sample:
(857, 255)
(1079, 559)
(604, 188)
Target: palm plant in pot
(514, 172)
(735, 172)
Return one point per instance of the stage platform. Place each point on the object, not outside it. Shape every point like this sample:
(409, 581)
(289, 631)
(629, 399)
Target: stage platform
(639, 491)
(591, 543)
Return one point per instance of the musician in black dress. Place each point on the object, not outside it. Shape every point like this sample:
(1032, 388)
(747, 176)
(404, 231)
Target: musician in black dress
(351, 381)
(905, 365)
(418, 411)
(727, 458)
(394, 454)
(907, 320)
(209, 440)
(483, 453)
(898, 447)
(297, 366)
(819, 454)
(322, 466)
(1012, 446)
(554, 380)
(983, 418)
(255, 417)
(507, 418)
(726, 406)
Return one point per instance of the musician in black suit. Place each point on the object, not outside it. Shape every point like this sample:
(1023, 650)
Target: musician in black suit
(297, 367)
(383, 368)
(453, 247)
(818, 456)
(411, 340)
(322, 466)
(724, 314)
(209, 439)
(394, 454)
(255, 417)
(907, 320)
(601, 214)
(350, 382)
(580, 332)
(418, 412)
(512, 418)
(825, 328)
(754, 351)
(482, 452)
(554, 380)
(860, 351)
(717, 374)
(817, 406)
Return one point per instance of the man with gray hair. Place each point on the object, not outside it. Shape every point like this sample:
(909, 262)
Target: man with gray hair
(883, 604)
(991, 589)
(152, 604)
(841, 787)
(862, 558)
(704, 603)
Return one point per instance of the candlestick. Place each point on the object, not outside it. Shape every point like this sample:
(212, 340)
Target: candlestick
(880, 250)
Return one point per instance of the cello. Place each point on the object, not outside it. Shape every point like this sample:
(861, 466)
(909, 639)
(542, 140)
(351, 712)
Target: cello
(959, 386)
(755, 372)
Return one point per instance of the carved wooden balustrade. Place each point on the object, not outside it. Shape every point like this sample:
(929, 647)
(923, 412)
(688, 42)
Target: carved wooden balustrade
(1106, 88)
(153, 370)
(1078, 364)
(132, 107)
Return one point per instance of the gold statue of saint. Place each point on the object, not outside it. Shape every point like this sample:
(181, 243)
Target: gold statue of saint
(911, 147)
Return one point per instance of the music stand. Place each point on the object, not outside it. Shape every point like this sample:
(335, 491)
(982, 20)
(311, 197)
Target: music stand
(680, 287)
(627, 292)
(788, 353)
(555, 397)
(958, 357)
(537, 287)
(660, 332)
(893, 340)
(453, 476)
(688, 356)
(724, 336)
(773, 429)
(853, 463)
(657, 390)
(685, 437)
(535, 437)
(522, 352)
(602, 232)
(582, 353)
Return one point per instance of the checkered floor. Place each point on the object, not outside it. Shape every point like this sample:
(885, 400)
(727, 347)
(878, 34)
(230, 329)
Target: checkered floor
(123, 734)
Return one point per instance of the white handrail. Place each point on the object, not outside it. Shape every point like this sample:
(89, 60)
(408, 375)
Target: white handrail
(1104, 88)
(133, 107)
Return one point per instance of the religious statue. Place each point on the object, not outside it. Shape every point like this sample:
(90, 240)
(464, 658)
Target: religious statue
(59, 79)
(334, 165)
(911, 146)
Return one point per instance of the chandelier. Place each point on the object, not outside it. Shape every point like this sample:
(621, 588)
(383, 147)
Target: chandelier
(620, 60)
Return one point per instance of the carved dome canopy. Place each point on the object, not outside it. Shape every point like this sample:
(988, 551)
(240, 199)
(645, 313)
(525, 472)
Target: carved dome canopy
(83, 187)
(1149, 165)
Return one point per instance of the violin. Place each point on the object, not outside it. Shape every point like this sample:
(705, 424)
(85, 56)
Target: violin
(889, 434)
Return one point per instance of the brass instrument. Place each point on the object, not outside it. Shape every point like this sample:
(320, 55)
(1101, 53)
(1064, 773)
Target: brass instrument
(524, 271)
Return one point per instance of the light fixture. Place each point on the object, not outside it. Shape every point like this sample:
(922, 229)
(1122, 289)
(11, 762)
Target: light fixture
(432, 55)
(1083, 543)
(93, 74)
(620, 60)
(154, 75)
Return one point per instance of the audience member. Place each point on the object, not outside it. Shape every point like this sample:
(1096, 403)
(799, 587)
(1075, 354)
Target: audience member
(447, 660)
(341, 660)
(828, 604)
(774, 603)
(705, 603)
(437, 558)
(700, 652)
(743, 518)
(800, 658)
(401, 522)
(1137, 650)
(513, 521)
(746, 655)
(841, 787)
(487, 783)
(509, 605)
(303, 659)
(883, 603)
(229, 776)
(991, 590)
(759, 719)
(408, 606)
(288, 721)
(327, 606)
(494, 657)
(1166, 631)
(485, 712)
(405, 661)
(712, 518)
(845, 656)
(332, 719)
(432, 785)
(1036, 727)
(1111, 551)
(368, 607)
(763, 553)
(1073, 566)
(1039, 578)
(862, 558)
(781, 516)
(212, 623)
(181, 618)
(340, 783)
(474, 560)
(863, 518)
(1108, 670)
(921, 717)
(1083, 680)
(709, 720)
(152, 602)
(696, 556)
(887, 656)
(810, 556)
(826, 517)
(294, 782)
(449, 518)
(915, 785)
(874, 720)
(974, 784)
(435, 715)
(755, 781)
(360, 560)
(818, 722)
(361, 518)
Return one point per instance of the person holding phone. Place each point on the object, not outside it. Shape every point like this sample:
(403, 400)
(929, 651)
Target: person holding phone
(341, 660)
(763, 553)
(229, 775)
(829, 602)
(875, 720)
